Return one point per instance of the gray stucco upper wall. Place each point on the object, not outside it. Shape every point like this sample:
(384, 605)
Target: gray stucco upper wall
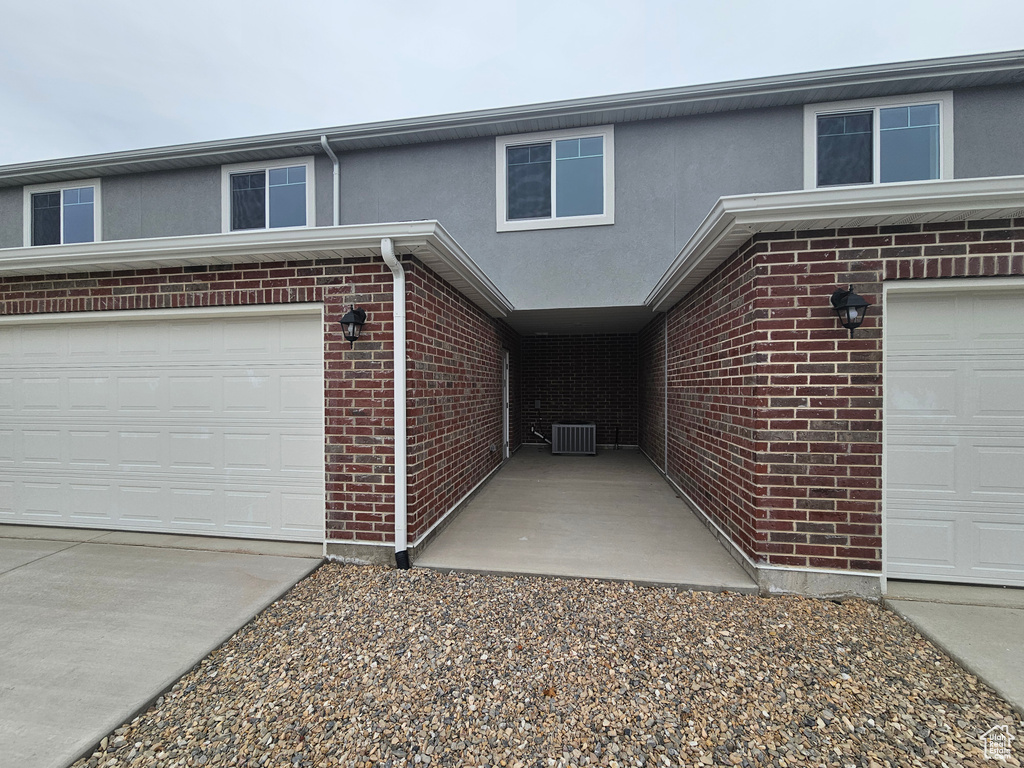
(11, 217)
(323, 174)
(987, 132)
(668, 175)
(164, 204)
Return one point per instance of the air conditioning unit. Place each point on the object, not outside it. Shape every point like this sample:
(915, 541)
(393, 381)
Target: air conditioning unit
(574, 437)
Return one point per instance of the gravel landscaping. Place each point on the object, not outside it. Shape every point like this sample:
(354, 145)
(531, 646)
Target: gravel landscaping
(363, 666)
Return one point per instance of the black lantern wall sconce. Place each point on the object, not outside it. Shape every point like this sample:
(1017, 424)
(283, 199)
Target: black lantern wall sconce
(850, 307)
(352, 324)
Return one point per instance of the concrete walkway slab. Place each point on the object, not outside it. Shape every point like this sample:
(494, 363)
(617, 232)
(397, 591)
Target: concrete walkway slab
(610, 516)
(93, 631)
(982, 628)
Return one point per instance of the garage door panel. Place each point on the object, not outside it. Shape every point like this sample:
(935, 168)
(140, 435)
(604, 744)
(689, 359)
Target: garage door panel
(917, 328)
(294, 339)
(923, 468)
(250, 452)
(297, 451)
(301, 394)
(140, 394)
(84, 345)
(39, 394)
(139, 341)
(193, 507)
(141, 449)
(923, 540)
(249, 509)
(7, 502)
(42, 341)
(997, 321)
(194, 339)
(41, 447)
(196, 393)
(237, 338)
(6, 393)
(250, 393)
(923, 393)
(92, 503)
(998, 546)
(1000, 394)
(43, 501)
(999, 471)
(954, 437)
(194, 450)
(90, 393)
(6, 446)
(152, 424)
(301, 513)
(91, 448)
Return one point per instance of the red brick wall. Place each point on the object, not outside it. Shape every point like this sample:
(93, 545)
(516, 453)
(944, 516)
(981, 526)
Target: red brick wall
(651, 390)
(359, 429)
(775, 412)
(454, 396)
(713, 396)
(581, 378)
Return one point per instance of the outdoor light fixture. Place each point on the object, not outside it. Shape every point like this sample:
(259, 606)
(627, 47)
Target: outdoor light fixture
(352, 324)
(850, 307)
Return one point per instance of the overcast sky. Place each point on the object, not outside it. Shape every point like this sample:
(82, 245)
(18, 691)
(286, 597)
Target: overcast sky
(81, 77)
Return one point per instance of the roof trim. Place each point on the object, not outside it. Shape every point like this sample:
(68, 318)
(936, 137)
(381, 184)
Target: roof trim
(960, 71)
(734, 220)
(428, 241)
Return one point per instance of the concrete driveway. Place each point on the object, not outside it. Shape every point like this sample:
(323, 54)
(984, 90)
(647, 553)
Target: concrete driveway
(94, 625)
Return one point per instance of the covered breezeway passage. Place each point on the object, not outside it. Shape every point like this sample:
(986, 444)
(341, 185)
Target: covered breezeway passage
(610, 516)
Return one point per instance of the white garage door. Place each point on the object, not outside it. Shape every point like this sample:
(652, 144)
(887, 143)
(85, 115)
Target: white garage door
(173, 421)
(954, 435)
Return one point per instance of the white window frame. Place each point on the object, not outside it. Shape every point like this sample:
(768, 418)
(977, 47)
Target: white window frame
(811, 111)
(267, 166)
(501, 144)
(37, 189)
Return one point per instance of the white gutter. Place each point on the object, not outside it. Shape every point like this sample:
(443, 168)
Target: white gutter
(734, 219)
(337, 177)
(387, 250)
(426, 240)
(826, 85)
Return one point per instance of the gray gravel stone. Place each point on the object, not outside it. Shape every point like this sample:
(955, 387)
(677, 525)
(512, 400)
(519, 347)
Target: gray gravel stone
(365, 666)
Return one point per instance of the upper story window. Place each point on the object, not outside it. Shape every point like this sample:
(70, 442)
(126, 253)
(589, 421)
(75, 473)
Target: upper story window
(879, 141)
(267, 195)
(555, 179)
(68, 212)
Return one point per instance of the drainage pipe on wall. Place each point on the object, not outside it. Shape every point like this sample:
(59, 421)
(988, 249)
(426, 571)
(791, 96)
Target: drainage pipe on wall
(337, 177)
(387, 250)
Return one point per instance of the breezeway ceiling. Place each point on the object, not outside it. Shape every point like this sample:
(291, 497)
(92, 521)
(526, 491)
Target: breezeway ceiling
(578, 321)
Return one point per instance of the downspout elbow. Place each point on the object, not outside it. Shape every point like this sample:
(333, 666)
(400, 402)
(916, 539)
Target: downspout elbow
(337, 178)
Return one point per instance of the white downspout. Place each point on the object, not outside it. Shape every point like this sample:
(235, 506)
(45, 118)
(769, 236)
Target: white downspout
(337, 177)
(387, 250)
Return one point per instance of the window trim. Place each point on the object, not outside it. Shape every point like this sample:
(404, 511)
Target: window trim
(811, 111)
(501, 144)
(267, 165)
(36, 189)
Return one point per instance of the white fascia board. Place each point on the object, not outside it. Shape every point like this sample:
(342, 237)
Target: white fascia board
(426, 240)
(734, 219)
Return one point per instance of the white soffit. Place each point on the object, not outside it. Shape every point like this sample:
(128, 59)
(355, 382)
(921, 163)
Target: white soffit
(734, 220)
(426, 240)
